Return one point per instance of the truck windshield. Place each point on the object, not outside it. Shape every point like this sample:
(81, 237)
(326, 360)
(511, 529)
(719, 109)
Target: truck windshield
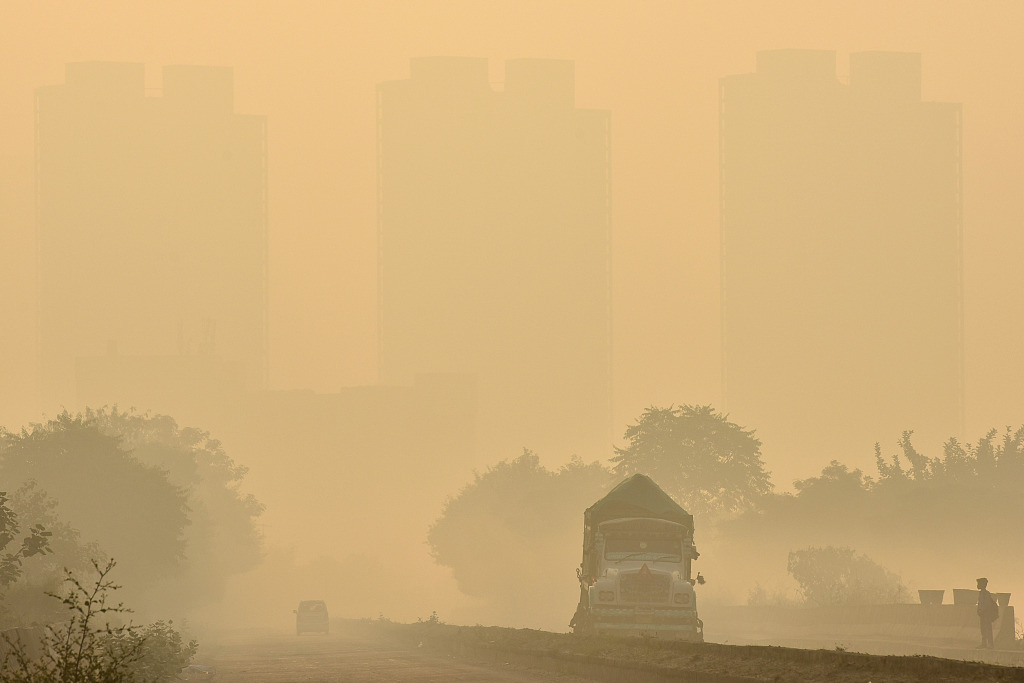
(645, 549)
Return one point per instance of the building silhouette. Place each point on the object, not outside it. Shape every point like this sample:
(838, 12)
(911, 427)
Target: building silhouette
(152, 223)
(494, 233)
(841, 242)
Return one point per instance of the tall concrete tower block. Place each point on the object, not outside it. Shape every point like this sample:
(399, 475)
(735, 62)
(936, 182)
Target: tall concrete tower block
(842, 256)
(152, 221)
(494, 247)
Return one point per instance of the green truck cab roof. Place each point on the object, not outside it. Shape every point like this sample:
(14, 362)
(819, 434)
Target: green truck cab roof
(637, 496)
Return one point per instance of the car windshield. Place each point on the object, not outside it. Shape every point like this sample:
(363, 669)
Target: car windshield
(312, 607)
(645, 549)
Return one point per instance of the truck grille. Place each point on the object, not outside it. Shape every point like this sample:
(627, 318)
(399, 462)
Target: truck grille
(644, 589)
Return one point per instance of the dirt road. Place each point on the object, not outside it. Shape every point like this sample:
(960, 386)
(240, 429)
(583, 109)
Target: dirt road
(267, 657)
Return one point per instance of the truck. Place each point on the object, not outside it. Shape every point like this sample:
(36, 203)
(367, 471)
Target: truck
(635, 577)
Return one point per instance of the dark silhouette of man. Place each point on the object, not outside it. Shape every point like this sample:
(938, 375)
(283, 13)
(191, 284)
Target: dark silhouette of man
(988, 611)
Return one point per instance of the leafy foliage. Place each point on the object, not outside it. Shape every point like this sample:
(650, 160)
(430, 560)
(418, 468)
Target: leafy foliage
(222, 537)
(699, 457)
(505, 531)
(131, 509)
(163, 653)
(988, 462)
(81, 651)
(24, 600)
(165, 498)
(835, 479)
(35, 543)
(759, 596)
(838, 576)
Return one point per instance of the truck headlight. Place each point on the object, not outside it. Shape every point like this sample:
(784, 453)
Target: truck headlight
(682, 598)
(606, 596)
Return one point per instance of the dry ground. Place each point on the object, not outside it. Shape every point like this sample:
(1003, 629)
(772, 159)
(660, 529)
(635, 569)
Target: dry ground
(361, 651)
(635, 659)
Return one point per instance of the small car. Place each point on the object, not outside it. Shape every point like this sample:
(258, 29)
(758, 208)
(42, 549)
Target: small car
(311, 617)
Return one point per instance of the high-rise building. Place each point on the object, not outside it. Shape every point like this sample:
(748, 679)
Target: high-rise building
(494, 236)
(841, 241)
(152, 221)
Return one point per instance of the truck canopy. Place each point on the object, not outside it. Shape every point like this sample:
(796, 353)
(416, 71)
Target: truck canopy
(637, 496)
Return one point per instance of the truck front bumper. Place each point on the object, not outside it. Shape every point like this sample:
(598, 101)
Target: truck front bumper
(670, 624)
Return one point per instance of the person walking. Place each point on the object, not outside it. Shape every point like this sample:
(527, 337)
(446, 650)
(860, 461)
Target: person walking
(988, 611)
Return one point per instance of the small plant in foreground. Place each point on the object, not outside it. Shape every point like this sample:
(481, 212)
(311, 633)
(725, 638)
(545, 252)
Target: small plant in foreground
(80, 651)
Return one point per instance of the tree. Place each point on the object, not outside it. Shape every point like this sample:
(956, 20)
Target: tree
(906, 516)
(129, 508)
(706, 462)
(836, 480)
(838, 576)
(222, 537)
(164, 498)
(921, 466)
(513, 535)
(988, 463)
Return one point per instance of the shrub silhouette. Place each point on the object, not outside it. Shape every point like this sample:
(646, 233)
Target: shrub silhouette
(81, 651)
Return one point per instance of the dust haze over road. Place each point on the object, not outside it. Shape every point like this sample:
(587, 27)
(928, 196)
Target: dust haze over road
(269, 657)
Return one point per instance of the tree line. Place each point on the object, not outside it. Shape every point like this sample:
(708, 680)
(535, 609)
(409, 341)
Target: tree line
(518, 522)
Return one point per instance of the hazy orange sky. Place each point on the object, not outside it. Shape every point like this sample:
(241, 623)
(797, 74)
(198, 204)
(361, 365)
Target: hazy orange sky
(312, 68)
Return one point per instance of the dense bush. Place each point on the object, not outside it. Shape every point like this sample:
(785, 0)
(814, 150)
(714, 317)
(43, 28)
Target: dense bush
(513, 535)
(24, 600)
(82, 650)
(838, 576)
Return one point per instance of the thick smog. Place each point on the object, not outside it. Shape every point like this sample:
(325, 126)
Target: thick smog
(511, 341)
